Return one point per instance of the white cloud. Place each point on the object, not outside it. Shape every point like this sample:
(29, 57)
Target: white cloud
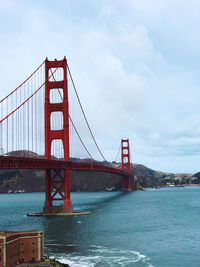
(134, 64)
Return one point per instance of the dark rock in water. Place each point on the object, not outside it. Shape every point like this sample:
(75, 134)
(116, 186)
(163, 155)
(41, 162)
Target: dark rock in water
(46, 262)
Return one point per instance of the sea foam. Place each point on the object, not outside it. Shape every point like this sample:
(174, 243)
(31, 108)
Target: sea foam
(103, 256)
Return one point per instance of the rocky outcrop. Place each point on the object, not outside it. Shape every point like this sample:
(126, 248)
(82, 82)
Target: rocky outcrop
(45, 262)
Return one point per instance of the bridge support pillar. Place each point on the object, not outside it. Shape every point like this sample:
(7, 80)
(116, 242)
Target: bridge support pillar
(57, 189)
(126, 183)
(126, 166)
(67, 200)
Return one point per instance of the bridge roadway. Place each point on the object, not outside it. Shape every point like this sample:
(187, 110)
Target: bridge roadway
(10, 162)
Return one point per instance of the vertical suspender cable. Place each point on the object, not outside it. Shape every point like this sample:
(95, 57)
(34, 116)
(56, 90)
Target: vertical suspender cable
(28, 119)
(0, 138)
(12, 123)
(32, 124)
(84, 114)
(43, 100)
(16, 121)
(22, 121)
(7, 129)
(7, 136)
(1, 130)
(36, 123)
(19, 121)
(37, 85)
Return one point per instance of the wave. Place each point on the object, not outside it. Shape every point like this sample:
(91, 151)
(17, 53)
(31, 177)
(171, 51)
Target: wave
(103, 256)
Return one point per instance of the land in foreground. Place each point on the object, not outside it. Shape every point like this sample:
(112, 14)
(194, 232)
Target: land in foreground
(47, 262)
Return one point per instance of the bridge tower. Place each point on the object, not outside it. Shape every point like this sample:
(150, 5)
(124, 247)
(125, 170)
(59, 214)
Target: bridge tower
(126, 166)
(57, 181)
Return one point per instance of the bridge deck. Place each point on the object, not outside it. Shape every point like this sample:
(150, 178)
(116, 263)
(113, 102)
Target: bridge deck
(10, 162)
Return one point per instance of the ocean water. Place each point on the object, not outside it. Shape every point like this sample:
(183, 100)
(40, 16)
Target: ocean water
(158, 227)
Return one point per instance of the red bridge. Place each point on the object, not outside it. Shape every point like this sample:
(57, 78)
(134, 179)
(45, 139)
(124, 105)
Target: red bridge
(40, 125)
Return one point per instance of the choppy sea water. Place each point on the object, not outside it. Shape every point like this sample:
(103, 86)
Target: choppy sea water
(158, 227)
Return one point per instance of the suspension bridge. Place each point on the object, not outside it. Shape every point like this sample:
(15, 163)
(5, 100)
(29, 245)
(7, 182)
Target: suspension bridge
(43, 126)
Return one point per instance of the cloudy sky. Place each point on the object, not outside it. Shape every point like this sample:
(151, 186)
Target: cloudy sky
(135, 63)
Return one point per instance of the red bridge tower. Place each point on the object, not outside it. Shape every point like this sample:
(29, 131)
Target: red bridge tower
(56, 180)
(126, 166)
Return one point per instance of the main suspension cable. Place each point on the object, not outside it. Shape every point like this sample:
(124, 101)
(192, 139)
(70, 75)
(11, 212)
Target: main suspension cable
(73, 122)
(29, 96)
(22, 82)
(84, 114)
(118, 153)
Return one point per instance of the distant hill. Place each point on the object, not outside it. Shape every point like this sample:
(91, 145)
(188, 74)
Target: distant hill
(147, 177)
(34, 180)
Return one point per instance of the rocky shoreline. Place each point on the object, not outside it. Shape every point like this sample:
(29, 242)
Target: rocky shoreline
(46, 262)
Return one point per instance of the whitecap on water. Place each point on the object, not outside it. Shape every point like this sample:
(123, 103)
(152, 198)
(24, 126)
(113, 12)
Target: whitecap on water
(102, 256)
